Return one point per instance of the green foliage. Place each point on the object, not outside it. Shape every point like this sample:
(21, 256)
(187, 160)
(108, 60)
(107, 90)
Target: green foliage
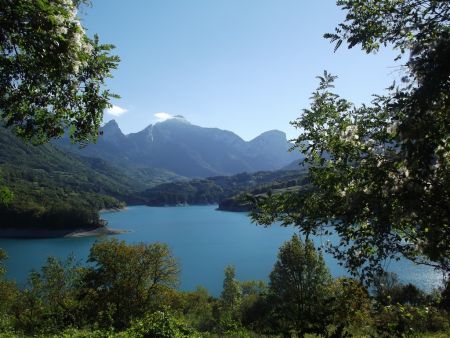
(381, 172)
(412, 321)
(379, 175)
(352, 306)
(217, 189)
(230, 302)
(401, 24)
(255, 306)
(51, 302)
(159, 325)
(231, 294)
(8, 297)
(6, 196)
(52, 75)
(126, 281)
(192, 192)
(253, 287)
(445, 301)
(53, 189)
(198, 307)
(299, 289)
(52, 172)
(127, 291)
(76, 333)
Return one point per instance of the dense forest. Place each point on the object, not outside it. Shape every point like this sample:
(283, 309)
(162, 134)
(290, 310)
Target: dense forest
(52, 188)
(214, 190)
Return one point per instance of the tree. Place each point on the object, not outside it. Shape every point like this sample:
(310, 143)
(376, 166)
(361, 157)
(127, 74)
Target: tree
(254, 305)
(230, 297)
(298, 288)
(231, 293)
(8, 296)
(352, 305)
(126, 280)
(52, 75)
(6, 194)
(380, 172)
(51, 303)
(198, 308)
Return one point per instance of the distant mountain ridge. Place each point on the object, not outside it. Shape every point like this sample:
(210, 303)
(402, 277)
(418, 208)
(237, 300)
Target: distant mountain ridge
(188, 150)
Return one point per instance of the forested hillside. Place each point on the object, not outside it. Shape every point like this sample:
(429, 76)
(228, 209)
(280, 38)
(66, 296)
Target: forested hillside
(216, 189)
(52, 188)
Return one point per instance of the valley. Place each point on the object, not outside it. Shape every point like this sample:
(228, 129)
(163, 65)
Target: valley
(60, 187)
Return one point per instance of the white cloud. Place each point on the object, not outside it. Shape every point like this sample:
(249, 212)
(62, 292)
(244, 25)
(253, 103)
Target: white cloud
(116, 110)
(163, 116)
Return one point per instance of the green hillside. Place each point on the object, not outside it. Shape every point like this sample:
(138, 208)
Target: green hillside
(53, 188)
(216, 189)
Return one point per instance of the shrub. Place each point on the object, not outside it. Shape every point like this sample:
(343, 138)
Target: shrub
(159, 325)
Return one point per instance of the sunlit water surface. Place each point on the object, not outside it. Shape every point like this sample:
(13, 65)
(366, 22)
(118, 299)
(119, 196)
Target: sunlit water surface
(203, 240)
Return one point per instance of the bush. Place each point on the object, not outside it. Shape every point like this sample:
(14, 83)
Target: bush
(159, 325)
(352, 304)
(400, 320)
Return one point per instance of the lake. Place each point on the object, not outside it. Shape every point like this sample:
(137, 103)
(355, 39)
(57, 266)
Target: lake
(203, 240)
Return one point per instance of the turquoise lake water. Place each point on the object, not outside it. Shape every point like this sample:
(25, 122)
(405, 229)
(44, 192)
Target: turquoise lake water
(203, 240)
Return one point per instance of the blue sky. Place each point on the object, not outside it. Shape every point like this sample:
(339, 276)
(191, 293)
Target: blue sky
(243, 65)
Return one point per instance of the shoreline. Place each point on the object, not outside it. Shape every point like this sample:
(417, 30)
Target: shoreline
(34, 233)
(96, 232)
(113, 209)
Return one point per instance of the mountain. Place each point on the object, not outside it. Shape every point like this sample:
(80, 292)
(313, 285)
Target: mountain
(53, 187)
(270, 150)
(188, 150)
(294, 165)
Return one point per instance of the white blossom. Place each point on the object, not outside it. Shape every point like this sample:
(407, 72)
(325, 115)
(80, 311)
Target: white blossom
(87, 48)
(67, 3)
(350, 134)
(77, 40)
(403, 171)
(61, 30)
(392, 129)
(342, 192)
(59, 19)
(76, 66)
